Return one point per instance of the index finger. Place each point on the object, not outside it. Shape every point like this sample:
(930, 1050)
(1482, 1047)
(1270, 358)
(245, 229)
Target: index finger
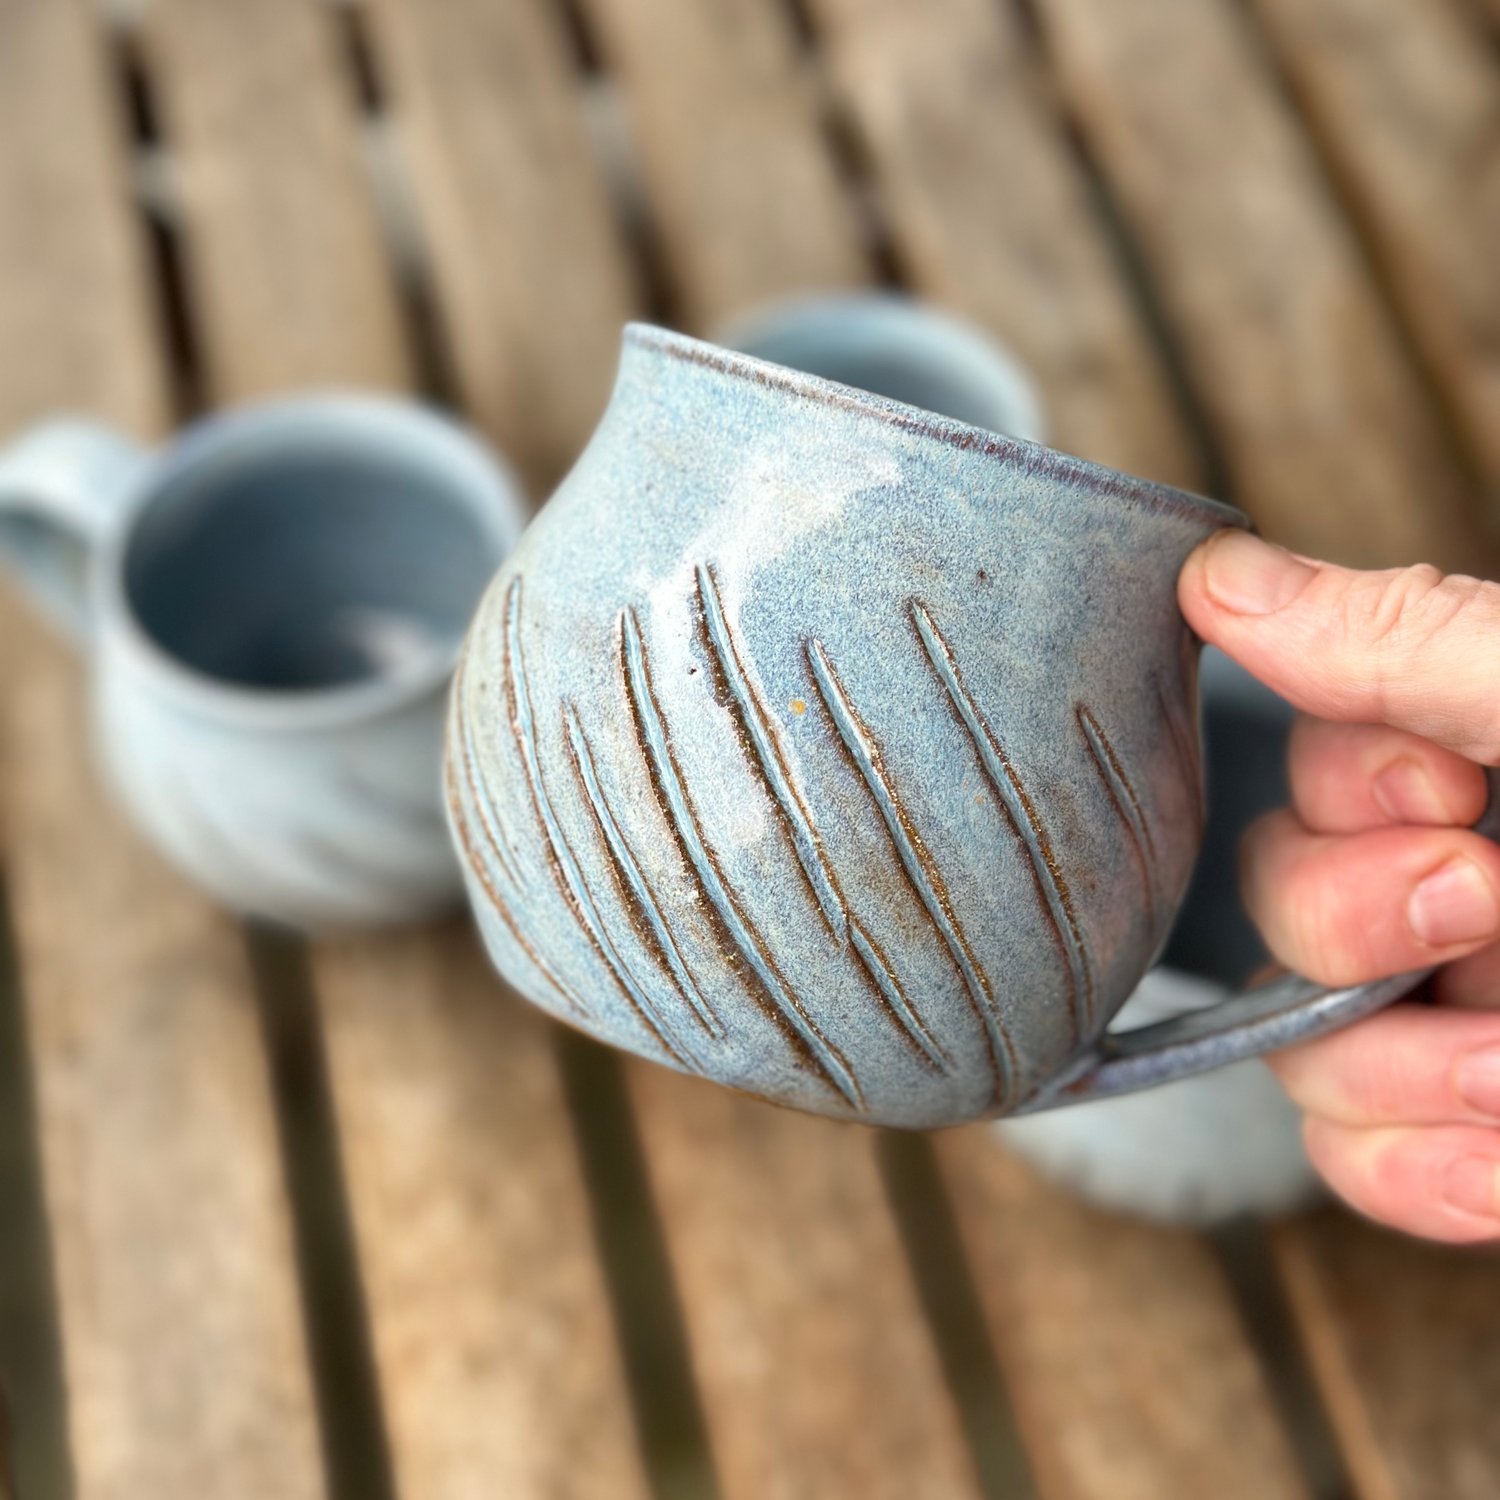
(1411, 647)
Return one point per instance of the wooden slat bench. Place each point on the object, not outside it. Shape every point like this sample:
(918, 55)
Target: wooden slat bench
(345, 1219)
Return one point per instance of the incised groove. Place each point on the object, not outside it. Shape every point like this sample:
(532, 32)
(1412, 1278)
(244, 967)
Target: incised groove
(502, 910)
(1057, 900)
(666, 775)
(1127, 805)
(494, 831)
(874, 962)
(768, 757)
(565, 868)
(634, 885)
(914, 857)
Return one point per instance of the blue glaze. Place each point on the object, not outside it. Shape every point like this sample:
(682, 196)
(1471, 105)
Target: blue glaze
(870, 733)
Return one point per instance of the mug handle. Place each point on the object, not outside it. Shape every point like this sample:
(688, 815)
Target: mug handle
(61, 488)
(1276, 1014)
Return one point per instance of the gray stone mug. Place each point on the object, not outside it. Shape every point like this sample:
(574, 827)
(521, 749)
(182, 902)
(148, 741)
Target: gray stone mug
(272, 607)
(846, 754)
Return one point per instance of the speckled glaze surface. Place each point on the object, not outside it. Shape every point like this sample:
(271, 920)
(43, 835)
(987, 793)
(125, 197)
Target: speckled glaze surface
(272, 607)
(843, 754)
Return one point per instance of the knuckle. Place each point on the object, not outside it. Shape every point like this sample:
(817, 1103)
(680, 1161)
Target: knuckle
(1390, 607)
(1391, 618)
(1405, 609)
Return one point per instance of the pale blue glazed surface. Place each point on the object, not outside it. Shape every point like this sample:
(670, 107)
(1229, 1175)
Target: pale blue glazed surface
(842, 754)
(272, 607)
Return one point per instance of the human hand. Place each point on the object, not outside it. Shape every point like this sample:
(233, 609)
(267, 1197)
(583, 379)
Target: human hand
(1374, 870)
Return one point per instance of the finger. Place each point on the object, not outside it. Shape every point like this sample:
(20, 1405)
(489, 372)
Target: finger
(1471, 983)
(1343, 909)
(1438, 1181)
(1347, 778)
(1409, 647)
(1409, 1065)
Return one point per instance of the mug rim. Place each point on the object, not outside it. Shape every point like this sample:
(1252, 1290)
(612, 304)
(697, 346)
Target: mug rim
(1032, 457)
(911, 326)
(444, 442)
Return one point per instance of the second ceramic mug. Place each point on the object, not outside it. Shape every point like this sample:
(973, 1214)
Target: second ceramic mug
(272, 607)
(846, 754)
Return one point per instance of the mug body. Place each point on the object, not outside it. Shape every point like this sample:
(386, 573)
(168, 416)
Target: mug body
(839, 752)
(276, 617)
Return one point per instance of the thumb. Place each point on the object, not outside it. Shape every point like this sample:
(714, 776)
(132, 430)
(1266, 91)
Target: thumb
(1410, 647)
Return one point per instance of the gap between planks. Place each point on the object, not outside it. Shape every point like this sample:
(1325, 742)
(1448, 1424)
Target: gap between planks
(146, 1079)
(446, 1325)
(1326, 429)
(33, 1409)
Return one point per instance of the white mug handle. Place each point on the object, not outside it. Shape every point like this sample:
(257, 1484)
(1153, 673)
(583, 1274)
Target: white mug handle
(61, 487)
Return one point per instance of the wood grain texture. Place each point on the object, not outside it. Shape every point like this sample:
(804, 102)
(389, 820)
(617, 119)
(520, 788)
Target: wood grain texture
(1405, 1342)
(1323, 426)
(183, 1348)
(259, 117)
(817, 1371)
(989, 214)
(530, 271)
(1122, 1348)
(742, 183)
(74, 307)
(491, 1331)
(1405, 100)
(501, 1372)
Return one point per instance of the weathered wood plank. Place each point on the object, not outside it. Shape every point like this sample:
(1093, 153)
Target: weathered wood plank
(501, 1369)
(77, 318)
(1405, 1341)
(1121, 1345)
(1242, 239)
(529, 267)
(489, 1321)
(742, 183)
(183, 1347)
(817, 1372)
(184, 1354)
(258, 112)
(1406, 102)
(1322, 425)
(989, 213)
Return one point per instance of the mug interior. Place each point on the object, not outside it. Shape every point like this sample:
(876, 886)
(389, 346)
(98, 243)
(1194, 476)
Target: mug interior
(898, 349)
(305, 561)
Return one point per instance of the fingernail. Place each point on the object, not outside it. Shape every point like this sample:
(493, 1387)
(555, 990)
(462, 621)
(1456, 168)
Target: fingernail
(1250, 577)
(1472, 1184)
(1405, 793)
(1477, 1080)
(1455, 904)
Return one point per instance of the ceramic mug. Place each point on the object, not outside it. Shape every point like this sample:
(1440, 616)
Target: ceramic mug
(846, 754)
(896, 347)
(272, 606)
(1211, 1148)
